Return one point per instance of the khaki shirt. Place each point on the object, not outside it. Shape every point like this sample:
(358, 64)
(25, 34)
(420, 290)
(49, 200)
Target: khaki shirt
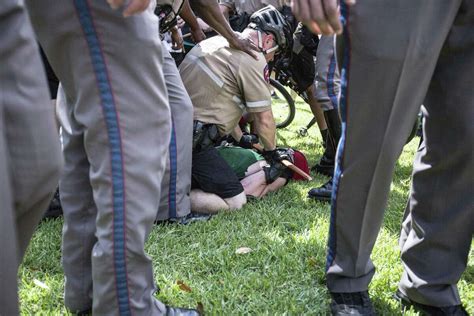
(250, 6)
(223, 83)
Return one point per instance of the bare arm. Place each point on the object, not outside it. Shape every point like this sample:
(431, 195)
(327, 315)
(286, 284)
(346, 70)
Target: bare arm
(176, 38)
(237, 133)
(225, 11)
(188, 16)
(274, 186)
(255, 184)
(210, 12)
(265, 126)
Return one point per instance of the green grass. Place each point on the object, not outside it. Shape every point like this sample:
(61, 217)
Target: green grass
(282, 275)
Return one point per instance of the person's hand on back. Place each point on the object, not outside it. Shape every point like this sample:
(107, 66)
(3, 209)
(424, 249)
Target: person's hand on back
(197, 35)
(244, 44)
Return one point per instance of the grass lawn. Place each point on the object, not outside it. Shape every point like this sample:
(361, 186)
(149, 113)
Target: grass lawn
(282, 275)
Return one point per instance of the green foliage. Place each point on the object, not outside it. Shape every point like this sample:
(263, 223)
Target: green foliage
(282, 275)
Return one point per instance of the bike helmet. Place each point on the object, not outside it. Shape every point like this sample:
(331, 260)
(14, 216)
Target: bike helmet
(269, 19)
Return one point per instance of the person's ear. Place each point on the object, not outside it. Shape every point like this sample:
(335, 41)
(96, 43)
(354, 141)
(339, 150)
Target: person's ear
(269, 41)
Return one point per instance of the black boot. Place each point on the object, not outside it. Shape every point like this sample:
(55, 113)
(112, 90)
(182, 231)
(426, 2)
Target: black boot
(324, 135)
(328, 160)
(323, 193)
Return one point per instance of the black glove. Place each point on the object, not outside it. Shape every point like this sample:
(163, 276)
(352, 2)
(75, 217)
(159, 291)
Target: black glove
(274, 171)
(276, 168)
(276, 155)
(248, 140)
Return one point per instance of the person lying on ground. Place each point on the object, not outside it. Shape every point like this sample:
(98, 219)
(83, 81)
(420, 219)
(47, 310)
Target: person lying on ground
(255, 174)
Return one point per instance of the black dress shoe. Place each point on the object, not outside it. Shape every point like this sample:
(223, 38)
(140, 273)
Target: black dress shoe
(86, 312)
(176, 311)
(355, 303)
(54, 210)
(185, 220)
(323, 193)
(406, 303)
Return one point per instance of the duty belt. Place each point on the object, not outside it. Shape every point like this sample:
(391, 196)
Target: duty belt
(204, 135)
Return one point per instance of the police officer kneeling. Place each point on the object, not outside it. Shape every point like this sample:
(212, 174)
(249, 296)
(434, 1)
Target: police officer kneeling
(223, 83)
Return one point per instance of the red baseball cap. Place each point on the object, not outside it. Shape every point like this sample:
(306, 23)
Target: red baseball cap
(300, 161)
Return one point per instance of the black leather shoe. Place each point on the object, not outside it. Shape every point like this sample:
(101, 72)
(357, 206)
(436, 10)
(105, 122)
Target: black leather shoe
(185, 220)
(176, 311)
(191, 218)
(406, 304)
(356, 303)
(86, 312)
(54, 210)
(323, 193)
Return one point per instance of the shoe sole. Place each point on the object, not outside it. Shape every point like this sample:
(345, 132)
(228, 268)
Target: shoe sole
(320, 198)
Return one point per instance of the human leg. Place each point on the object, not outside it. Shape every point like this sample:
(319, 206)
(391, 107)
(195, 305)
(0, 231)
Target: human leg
(8, 241)
(219, 187)
(438, 230)
(176, 184)
(211, 203)
(316, 109)
(376, 88)
(30, 158)
(80, 213)
(326, 91)
(116, 87)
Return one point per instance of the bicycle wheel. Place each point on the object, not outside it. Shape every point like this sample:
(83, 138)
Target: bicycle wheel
(283, 105)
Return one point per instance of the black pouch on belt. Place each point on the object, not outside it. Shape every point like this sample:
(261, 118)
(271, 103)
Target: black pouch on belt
(204, 136)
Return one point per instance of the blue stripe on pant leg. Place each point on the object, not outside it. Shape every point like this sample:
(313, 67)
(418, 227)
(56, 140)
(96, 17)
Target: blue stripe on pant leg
(330, 81)
(115, 147)
(173, 173)
(340, 150)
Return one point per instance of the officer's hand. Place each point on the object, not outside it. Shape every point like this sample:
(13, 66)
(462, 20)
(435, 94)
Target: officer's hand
(248, 140)
(204, 26)
(134, 7)
(180, 22)
(197, 35)
(320, 16)
(275, 156)
(274, 171)
(244, 44)
(176, 39)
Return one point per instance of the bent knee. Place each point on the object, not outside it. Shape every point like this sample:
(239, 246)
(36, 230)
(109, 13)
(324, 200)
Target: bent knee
(236, 202)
